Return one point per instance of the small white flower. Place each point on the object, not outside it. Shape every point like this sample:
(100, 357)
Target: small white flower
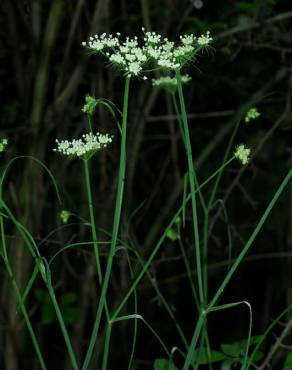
(152, 37)
(205, 40)
(117, 58)
(134, 68)
(188, 39)
(242, 154)
(130, 57)
(153, 52)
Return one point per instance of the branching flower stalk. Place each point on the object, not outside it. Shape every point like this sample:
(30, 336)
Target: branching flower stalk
(131, 58)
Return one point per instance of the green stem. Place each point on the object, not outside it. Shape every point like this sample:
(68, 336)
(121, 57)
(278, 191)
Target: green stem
(92, 219)
(160, 242)
(115, 230)
(232, 270)
(191, 174)
(18, 294)
(63, 328)
(93, 228)
(178, 115)
(45, 273)
(106, 345)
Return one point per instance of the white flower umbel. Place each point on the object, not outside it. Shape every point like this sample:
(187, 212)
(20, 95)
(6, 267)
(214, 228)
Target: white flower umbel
(127, 56)
(242, 154)
(85, 147)
(170, 83)
(131, 57)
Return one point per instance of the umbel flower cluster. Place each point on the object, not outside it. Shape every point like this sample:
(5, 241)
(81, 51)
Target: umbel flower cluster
(170, 83)
(85, 147)
(132, 57)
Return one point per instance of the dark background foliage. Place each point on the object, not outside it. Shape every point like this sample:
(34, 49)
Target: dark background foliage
(45, 74)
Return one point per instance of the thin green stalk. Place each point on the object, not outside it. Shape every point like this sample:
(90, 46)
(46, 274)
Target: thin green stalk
(205, 255)
(163, 300)
(234, 267)
(106, 345)
(131, 317)
(191, 173)
(19, 297)
(115, 230)
(45, 273)
(178, 115)
(93, 227)
(161, 240)
(136, 312)
(251, 239)
(63, 328)
(92, 219)
(205, 243)
(189, 272)
(264, 336)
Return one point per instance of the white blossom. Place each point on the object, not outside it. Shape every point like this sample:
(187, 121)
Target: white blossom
(205, 40)
(131, 57)
(85, 147)
(188, 39)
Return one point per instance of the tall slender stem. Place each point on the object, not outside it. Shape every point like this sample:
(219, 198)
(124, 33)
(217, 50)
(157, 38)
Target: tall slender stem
(191, 175)
(63, 328)
(18, 293)
(93, 227)
(115, 229)
(92, 219)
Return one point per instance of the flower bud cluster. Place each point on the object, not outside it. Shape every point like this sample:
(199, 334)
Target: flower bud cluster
(131, 57)
(89, 106)
(64, 216)
(3, 144)
(252, 114)
(85, 147)
(242, 154)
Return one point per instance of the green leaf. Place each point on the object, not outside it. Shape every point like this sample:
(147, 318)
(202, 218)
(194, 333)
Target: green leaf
(236, 349)
(201, 356)
(163, 364)
(288, 362)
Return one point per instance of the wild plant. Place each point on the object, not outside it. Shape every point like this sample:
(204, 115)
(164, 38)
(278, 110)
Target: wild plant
(161, 61)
